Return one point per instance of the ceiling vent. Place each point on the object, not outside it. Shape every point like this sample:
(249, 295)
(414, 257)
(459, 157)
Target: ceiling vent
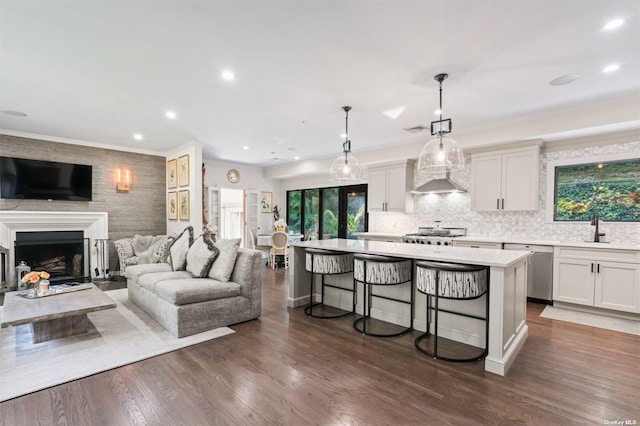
(416, 129)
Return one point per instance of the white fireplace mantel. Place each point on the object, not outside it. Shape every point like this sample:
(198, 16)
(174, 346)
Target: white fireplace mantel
(95, 225)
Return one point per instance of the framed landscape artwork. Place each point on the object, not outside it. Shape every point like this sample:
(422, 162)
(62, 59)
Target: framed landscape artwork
(183, 204)
(172, 174)
(183, 170)
(266, 202)
(609, 188)
(172, 205)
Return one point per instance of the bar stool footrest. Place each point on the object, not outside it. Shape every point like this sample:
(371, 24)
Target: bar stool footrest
(427, 336)
(357, 322)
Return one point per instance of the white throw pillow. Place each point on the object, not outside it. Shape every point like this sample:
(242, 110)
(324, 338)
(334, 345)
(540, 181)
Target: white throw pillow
(223, 265)
(179, 249)
(201, 255)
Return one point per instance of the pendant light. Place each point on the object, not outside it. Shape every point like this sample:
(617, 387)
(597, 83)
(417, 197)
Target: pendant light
(347, 168)
(441, 154)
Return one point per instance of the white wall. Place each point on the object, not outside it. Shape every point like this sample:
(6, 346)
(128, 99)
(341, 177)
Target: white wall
(251, 178)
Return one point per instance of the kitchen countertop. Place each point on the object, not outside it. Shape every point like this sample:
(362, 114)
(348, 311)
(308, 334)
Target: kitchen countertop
(582, 244)
(488, 257)
(516, 240)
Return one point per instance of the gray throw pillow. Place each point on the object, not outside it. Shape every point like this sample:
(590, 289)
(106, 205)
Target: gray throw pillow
(201, 255)
(179, 249)
(223, 265)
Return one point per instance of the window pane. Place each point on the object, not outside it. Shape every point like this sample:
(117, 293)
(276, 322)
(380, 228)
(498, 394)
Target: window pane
(311, 213)
(294, 213)
(355, 212)
(330, 203)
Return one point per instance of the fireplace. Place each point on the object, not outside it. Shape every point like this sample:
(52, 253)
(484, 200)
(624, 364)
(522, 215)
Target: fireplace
(63, 254)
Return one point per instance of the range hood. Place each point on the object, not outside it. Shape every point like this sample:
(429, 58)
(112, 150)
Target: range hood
(439, 186)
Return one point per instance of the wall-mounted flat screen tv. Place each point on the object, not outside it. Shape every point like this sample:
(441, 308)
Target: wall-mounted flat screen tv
(25, 179)
(609, 188)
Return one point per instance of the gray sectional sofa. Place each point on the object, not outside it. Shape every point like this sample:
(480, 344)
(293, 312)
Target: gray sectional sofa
(186, 304)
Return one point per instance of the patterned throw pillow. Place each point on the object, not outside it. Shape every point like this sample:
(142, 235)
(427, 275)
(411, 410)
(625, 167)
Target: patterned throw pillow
(201, 255)
(179, 249)
(223, 265)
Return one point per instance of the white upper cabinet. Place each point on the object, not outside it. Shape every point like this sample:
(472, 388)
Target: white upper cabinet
(389, 187)
(505, 180)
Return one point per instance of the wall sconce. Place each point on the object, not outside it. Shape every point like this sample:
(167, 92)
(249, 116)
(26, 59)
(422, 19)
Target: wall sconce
(122, 180)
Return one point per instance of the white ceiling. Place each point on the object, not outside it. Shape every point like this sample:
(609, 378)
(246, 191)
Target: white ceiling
(100, 71)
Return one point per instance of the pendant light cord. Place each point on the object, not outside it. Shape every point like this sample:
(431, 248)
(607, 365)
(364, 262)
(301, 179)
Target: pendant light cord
(346, 146)
(440, 131)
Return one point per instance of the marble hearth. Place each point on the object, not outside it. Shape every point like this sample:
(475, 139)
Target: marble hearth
(94, 225)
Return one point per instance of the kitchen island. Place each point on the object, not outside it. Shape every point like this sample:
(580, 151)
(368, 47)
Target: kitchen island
(507, 290)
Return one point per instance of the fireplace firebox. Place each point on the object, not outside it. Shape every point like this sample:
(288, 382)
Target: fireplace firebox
(63, 254)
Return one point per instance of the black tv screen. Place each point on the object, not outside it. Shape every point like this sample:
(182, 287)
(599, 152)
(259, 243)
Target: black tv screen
(44, 180)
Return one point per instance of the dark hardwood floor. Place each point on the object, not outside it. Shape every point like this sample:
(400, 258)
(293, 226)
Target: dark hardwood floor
(288, 369)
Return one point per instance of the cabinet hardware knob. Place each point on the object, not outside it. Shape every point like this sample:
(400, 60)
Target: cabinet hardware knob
(598, 268)
(503, 204)
(592, 268)
(497, 203)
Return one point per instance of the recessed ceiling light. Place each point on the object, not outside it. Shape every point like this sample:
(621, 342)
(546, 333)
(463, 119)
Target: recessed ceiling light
(612, 25)
(296, 158)
(246, 148)
(137, 136)
(437, 112)
(227, 75)
(564, 79)
(170, 115)
(14, 113)
(611, 68)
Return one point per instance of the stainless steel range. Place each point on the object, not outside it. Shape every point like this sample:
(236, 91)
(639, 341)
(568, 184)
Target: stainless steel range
(435, 236)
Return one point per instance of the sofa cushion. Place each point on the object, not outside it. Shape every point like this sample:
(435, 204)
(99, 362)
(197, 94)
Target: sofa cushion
(161, 253)
(136, 271)
(179, 249)
(223, 266)
(186, 291)
(201, 255)
(149, 281)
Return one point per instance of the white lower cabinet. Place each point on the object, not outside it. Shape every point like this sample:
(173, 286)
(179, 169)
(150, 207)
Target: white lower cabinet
(601, 278)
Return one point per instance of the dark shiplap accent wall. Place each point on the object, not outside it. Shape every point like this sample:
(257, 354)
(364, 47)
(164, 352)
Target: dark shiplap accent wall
(141, 211)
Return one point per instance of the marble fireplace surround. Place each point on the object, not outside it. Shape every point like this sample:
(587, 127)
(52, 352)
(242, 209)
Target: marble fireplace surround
(94, 225)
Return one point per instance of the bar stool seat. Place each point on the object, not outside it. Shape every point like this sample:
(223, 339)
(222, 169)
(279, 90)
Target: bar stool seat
(374, 270)
(327, 262)
(453, 281)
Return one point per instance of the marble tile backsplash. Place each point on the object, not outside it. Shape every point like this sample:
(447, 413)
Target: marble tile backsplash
(455, 210)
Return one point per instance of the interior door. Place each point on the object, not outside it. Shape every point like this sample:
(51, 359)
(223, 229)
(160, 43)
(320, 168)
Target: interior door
(251, 213)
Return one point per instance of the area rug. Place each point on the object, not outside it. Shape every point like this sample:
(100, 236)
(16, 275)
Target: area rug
(593, 320)
(118, 337)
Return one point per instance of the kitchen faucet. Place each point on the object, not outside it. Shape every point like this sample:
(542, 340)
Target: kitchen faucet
(595, 220)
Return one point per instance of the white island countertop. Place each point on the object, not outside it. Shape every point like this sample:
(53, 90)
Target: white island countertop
(472, 256)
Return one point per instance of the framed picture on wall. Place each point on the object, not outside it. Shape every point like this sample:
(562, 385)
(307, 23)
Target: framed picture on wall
(183, 170)
(172, 174)
(183, 204)
(266, 202)
(172, 205)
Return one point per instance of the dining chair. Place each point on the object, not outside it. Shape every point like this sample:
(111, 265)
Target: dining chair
(279, 247)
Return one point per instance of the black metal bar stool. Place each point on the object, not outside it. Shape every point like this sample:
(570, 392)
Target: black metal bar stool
(326, 262)
(374, 270)
(456, 282)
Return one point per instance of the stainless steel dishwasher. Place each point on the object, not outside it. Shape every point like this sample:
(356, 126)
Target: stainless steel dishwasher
(540, 272)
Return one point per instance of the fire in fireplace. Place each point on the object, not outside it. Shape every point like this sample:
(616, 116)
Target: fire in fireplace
(63, 254)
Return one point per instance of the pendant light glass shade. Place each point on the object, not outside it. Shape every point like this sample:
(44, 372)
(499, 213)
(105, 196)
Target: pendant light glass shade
(347, 168)
(441, 154)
